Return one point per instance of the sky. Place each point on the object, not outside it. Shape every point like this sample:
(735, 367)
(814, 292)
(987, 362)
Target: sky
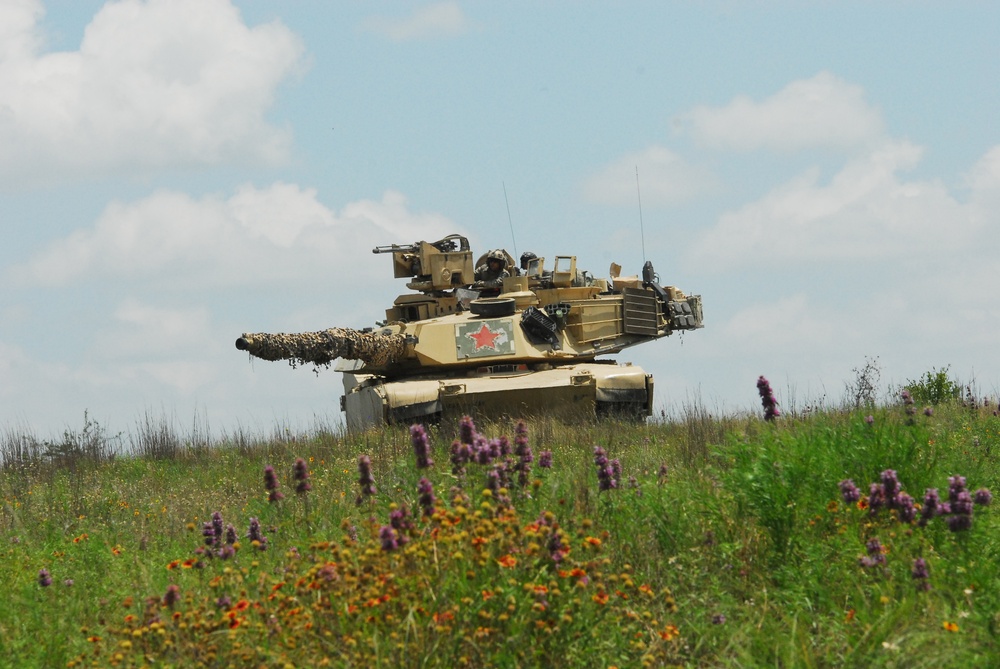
(173, 173)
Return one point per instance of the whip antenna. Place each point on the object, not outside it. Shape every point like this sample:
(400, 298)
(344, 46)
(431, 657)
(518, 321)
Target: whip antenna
(509, 222)
(642, 232)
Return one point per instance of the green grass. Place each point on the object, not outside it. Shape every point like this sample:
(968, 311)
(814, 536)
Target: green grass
(726, 544)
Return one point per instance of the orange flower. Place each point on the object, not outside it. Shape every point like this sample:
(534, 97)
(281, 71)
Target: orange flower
(507, 561)
(173, 564)
(863, 503)
(116, 550)
(540, 590)
(645, 589)
(487, 595)
(593, 541)
(669, 632)
(950, 626)
(242, 605)
(601, 598)
(850, 616)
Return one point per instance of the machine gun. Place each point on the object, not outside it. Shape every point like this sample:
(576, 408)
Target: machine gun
(434, 266)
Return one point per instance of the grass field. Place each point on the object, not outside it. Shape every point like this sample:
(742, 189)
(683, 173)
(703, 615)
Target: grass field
(696, 541)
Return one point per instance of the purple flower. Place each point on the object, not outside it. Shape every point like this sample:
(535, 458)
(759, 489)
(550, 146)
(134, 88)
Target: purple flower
(605, 473)
(172, 596)
(223, 602)
(928, 411)
(254, 534)
(906, 508)
(931, 507)
(956, 484)
(400, 521)
(300, 472)
(719, 619)
(906, 396)
(556, 547)
(767, 399)
(876, 497)
(426, 497)
(44, 578)
(230, 534)
(890, 485)
(461, 453)
(983, 497)
(523, 452)
(421, 447)
(466, 430)
(545, 459)
(921, 574)
(271, 485)
(226, 552)
(365, 479)
(849, 491)
(870, 420)
(388, 537)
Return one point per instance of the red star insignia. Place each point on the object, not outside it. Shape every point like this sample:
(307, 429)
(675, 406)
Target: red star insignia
(484, 338)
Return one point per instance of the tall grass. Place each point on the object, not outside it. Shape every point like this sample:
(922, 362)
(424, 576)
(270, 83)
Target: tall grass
(725, 542)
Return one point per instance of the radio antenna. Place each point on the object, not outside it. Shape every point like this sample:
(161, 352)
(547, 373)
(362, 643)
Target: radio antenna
(509, 221)
(642, 232)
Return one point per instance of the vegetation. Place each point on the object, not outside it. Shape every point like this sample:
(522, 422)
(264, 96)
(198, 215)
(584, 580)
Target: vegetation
(812, 539)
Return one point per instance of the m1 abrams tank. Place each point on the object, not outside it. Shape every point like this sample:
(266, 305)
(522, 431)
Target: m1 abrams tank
(530, 343)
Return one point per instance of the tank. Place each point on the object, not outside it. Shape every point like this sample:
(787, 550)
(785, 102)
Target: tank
(494, 338)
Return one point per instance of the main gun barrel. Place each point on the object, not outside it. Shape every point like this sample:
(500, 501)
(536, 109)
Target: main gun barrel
(321, 348)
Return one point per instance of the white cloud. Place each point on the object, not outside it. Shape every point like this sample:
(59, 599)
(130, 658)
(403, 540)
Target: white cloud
(664, 178)
(824, 111)
(278, 235)
(154, 84)
(865, 212)
(440, 19)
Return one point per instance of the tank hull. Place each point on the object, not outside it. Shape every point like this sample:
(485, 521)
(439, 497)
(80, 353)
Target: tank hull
(568, 392)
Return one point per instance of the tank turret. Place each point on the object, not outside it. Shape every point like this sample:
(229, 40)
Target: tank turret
(457, 344)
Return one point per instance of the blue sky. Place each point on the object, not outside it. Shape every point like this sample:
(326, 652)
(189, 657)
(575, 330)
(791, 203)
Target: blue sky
(176, 172)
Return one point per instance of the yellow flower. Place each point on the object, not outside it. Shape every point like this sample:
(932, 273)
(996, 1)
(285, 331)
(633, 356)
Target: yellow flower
(950, 626)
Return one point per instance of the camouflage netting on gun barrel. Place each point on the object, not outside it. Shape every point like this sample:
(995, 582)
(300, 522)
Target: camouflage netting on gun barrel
(321, 348)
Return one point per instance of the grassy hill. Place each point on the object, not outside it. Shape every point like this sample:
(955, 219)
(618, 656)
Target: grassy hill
(703, 541)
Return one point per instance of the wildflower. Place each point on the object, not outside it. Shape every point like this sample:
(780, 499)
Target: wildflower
(870, 420)
(223, 602)
(421, 447)
(426, 497)
(876, 554)
(399, 519)
(605, 474)
(961, 512)
(300, 472)
(461, 453)
(68, 583)
(44, 578)
(545, 459)
(950, 626)
(719, 619)
(928, 411)
(230, 534)
(931, 507)
(661, 476)
(876, 497)
(271, 485)
(983, 497)
(365, 479)
(770, 404)
(890, 485)
(507, 561)
(523, 452)
(226, 552)
(849, 491)
(388, 537)
(956, 484)
(466, 431)
(255, 535)
(669, 632)
(557, 549)
(906, 508)
(921, 574)
(172, 596)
